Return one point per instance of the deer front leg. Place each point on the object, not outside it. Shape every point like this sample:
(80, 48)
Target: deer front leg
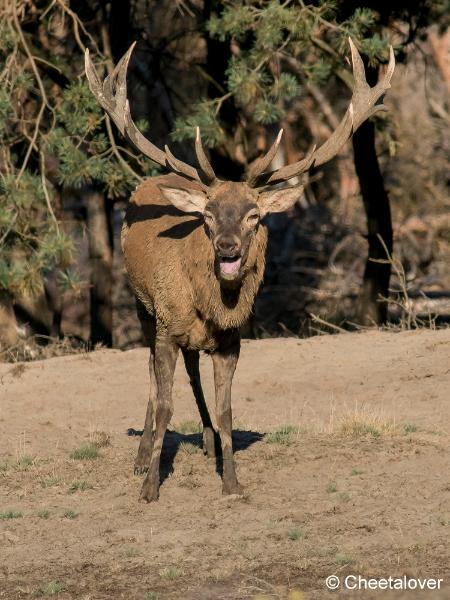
(224, 362)
(166, 352)
(191, 361)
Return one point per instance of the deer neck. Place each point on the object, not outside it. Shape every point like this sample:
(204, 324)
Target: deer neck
(226, 307)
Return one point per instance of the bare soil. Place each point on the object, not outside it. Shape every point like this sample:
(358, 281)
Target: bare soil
(359, 483)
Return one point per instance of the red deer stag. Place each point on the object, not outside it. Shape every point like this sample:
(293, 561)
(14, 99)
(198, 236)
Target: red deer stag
(194, 249)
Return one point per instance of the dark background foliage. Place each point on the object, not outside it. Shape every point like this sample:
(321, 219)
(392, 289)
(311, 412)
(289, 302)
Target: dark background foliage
(239, 70)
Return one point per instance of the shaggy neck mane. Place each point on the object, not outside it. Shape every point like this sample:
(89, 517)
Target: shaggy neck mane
(226, 308)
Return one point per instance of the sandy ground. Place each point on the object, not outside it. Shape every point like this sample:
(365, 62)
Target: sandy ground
(360, 485)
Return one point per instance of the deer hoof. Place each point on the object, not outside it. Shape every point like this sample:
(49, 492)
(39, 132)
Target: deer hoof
(209, 452)
(149, 493)
(234, 490)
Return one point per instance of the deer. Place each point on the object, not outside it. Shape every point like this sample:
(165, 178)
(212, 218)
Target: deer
(194, 248)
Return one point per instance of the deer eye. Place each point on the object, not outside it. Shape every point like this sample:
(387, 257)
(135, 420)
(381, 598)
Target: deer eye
(252, 218)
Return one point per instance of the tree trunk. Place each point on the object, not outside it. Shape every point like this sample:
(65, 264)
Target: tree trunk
(217, 60)
(101, 279)
(119, 29)
(372, 309)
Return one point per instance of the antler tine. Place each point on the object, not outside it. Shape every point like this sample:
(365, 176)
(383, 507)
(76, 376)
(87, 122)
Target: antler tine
(104, 93)
(289, 171)
(202, 158)
(112, 96)
(97, 89)
(364, 104)
(262, 163)
(181, 167)
(115, 84)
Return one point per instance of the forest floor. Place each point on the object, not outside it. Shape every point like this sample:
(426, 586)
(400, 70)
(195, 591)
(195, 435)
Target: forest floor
(342, 445)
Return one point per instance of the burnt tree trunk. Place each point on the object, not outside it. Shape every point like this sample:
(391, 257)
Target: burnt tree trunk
(372, 309)
(217, 61)
(119, 28)
(100, 260)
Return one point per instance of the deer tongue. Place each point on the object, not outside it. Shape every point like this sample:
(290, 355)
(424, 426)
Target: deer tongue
(229, 266)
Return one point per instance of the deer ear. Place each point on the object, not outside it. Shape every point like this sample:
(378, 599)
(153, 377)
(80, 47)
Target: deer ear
(185, 200)
(279, 200)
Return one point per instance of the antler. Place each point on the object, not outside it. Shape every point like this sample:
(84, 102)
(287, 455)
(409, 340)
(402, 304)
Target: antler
(261, 163)
(112, 96)
(364, 104)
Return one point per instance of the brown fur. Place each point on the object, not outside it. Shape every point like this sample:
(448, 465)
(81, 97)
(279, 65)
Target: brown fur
(170, 262)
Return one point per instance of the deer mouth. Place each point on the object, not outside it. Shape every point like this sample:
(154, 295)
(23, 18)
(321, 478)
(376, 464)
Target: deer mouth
(229, 265)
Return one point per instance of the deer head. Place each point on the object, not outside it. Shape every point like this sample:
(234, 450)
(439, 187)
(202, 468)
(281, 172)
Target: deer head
(232, 211)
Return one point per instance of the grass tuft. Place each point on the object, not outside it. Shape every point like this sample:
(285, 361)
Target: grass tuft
(296, 534)
(24, 463)
(85, 452)
(187, 427)
(43, 514)
(344, 559)
(131, 552)
(70, 514)
(189, 448)
(331, 488)
(171, 573)
(355, 428)
(361, 422)
(283, 435)
(356, 471)
(344, 497)
(50, 481)
(80, 486)
(52, 588)
(410, 428)
(100, 439)
(10, 514)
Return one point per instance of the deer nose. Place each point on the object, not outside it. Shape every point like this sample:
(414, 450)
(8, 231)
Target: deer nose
(228, 246)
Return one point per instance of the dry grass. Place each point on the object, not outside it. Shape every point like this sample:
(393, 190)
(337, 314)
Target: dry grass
(171, 573)
(80, 486)
(189, 448)
(400, 298)
(39, 347)
(99, 439)
(188, 427)
(361, 421)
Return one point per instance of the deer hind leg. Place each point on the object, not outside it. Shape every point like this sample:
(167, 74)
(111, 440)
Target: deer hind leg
(191, 361)
(166, 352)
(144, 455)
(224, 362)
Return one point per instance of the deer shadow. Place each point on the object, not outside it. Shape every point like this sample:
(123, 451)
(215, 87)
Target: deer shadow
(173, 443)
(187, 222)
